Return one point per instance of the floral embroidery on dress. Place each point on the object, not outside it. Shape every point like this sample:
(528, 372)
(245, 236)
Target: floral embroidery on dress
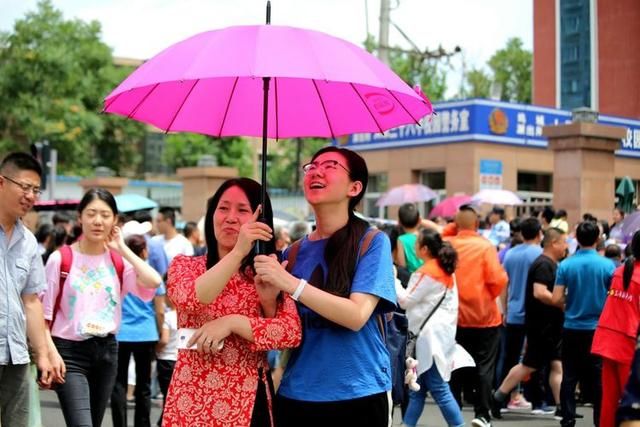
(220, 389)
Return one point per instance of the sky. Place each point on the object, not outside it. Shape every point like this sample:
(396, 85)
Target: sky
(142, 28)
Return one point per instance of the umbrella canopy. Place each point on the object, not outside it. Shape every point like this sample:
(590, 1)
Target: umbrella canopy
(496, 197)
(133, 202)
(320, 85)
(626, 191)
(269, 81)
(449, 206)
(408, 193)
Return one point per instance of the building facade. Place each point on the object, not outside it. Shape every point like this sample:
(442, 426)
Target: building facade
(586, 53)
(475, 144)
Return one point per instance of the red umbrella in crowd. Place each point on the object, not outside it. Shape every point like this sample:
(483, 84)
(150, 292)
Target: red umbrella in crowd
(269, 81)
(449, 206)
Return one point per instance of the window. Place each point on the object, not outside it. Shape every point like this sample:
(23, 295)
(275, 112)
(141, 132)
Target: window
(534, 181)
(378, 184)
(436, 180)
(575, 48)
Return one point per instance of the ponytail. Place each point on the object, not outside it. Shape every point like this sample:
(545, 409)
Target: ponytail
(630, 261)
(443, 252)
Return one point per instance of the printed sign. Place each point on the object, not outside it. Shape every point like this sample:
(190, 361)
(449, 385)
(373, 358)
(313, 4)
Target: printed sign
(487, 121)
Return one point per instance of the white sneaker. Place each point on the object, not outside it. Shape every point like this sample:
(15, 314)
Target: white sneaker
(480, 422)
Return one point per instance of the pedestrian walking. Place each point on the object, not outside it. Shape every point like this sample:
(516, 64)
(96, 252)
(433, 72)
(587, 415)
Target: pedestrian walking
(83, 302)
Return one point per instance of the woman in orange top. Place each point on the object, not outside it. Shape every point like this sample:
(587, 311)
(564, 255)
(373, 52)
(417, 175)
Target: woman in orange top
(432, 288)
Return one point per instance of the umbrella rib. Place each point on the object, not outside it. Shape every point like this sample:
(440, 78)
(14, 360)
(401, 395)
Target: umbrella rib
(182, 105)
(403, 107)
(275, 88)
(114, 99)
(135, 110)
(366, 106)
(324, 109)
(226, 110)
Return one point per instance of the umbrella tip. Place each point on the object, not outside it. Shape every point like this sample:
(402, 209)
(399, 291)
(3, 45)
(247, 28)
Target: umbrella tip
(268, 12)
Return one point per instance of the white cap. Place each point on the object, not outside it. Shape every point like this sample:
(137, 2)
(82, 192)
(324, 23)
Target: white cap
(134, 227)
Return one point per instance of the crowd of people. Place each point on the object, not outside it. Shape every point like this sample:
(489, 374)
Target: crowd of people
(245, 324)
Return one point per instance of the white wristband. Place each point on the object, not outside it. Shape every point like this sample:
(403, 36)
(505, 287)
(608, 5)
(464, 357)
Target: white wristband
(296, 294)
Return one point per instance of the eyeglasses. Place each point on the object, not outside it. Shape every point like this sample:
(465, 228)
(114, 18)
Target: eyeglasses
(323, 166)
(26, 188)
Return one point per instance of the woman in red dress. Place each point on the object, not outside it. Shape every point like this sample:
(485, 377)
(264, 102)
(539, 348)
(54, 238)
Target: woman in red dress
(224, 380)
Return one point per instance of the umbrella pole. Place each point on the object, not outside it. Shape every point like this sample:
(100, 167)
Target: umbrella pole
(261, 248)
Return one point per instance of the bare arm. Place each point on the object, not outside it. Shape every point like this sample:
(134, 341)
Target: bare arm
(159, 306)
(542, 294)
(352, 312)
(36, 335)
(400, 258)
(557, 298)
(147, 276)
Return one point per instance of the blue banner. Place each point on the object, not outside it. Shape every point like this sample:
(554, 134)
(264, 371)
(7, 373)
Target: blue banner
(487, 121)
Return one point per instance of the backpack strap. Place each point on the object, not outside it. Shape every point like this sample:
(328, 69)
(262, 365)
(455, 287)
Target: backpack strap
(292, 254)
(66, 258)
(118, 263)
(366, 242)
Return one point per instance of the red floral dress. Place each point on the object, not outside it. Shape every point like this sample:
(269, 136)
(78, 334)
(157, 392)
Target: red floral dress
(220, 389)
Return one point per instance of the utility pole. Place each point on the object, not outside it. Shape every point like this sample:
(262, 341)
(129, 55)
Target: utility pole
(383, 39)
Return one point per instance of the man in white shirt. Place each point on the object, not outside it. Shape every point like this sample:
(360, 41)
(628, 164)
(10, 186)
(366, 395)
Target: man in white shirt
(174, 243)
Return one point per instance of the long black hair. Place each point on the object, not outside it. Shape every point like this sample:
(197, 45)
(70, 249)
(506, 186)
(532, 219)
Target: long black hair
(342, 250)
(98, 194)
(252, 190)
(630, 261)
(442, 251)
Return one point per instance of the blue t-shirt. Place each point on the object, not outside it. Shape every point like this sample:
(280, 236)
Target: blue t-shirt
(334, 363)
(586, 277)
(139, 319)
(516, 263)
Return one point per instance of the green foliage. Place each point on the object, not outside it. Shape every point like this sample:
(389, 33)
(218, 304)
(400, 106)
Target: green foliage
(282, 165)
(184, 150)
(511, 68)
(54, 74)
(414, 68)
(478, 84)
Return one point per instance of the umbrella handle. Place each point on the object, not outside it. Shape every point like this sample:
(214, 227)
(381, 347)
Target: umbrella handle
(268, 12)
(261, 245)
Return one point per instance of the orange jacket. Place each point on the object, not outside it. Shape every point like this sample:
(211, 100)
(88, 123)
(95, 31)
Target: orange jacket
(480, 279)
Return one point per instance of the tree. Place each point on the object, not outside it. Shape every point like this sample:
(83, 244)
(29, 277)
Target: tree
(184, 150)
(283, 164)
(476, 83)
(415, 68)
(54, 74)
(511, 68)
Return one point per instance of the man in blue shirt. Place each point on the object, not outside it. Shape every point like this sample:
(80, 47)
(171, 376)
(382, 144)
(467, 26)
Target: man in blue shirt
(581, 286)
(516, 263)
(500, 230)
(21, 279)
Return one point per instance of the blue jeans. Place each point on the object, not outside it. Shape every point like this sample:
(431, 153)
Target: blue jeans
(431, 381)
(91, 373)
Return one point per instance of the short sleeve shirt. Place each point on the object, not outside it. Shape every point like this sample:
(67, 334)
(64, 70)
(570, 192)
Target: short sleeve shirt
(21, 273)
(539, 316)
(334, 363)
(586, 277)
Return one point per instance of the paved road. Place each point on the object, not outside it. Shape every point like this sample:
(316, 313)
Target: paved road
(431, 417)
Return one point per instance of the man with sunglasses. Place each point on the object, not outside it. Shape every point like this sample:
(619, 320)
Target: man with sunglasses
(21, 280)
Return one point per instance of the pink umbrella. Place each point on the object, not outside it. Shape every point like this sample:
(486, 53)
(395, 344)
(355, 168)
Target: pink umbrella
(408, 193)
(449, 206)
(269, 81)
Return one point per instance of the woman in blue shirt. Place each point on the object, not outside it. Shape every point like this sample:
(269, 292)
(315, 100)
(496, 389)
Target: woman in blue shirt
(342, 287)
